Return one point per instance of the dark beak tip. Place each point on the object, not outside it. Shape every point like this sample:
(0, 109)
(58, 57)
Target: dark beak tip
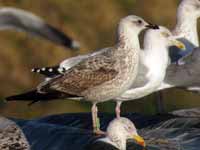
(156, 27)
(152, 26)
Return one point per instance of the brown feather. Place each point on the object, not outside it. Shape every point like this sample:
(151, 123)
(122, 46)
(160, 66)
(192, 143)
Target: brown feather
(87, 74)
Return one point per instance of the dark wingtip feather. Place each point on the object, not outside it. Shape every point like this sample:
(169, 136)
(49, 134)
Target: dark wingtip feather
(34, 96)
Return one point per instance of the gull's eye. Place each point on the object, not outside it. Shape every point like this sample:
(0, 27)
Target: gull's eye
(139, 21)
(128, 128)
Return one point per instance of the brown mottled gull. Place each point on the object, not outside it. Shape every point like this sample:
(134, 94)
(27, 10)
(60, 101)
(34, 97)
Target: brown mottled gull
(106, 74)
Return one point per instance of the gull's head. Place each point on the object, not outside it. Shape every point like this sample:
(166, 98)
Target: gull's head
(164, 37)
(121, 129)
(134, 24)
(190, 8)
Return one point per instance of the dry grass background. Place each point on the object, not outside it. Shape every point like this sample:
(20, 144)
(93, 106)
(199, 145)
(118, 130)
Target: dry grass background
(93, 23)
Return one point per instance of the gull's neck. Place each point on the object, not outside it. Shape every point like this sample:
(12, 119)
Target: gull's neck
(128, 38)
(186, 26)
(156, 52)
(155, 48)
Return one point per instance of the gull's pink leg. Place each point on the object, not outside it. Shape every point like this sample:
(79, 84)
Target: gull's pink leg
(96, 125)
(94, 120)
(117, 109)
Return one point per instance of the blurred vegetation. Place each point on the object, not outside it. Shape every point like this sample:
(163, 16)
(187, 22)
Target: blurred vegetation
(93, 23)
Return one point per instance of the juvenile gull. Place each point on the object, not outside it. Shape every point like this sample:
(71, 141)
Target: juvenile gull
(106, 74)
(118, 132)
(20, 20)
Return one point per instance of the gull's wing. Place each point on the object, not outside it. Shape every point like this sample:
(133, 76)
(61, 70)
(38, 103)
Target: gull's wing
(89, 73)
(65, 65)
(186, 75)
(17, 19)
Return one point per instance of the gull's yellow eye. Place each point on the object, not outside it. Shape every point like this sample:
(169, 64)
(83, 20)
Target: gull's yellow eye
(165, 34)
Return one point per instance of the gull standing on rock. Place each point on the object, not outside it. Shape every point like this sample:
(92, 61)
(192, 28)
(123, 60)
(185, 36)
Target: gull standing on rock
(105, 75)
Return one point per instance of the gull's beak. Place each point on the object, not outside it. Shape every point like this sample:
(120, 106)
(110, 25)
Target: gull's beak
(139, 140)
(152, 26)
(178, 44)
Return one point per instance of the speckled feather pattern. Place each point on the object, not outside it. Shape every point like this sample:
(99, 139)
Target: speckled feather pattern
(11, 136)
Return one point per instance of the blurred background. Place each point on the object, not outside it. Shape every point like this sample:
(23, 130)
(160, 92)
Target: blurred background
(93, 23)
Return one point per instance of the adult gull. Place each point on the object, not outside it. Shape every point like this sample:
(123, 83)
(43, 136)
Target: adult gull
(188, 68)
(186, 28)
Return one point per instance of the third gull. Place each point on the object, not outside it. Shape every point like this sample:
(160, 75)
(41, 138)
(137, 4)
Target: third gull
(118, 132)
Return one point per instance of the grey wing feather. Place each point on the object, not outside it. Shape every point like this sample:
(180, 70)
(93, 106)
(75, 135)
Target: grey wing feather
(185, 75)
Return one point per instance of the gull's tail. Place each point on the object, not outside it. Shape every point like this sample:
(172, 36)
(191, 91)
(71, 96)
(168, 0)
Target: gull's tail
(34, 96)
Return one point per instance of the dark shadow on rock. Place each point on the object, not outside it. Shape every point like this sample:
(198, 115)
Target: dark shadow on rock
(73, 132)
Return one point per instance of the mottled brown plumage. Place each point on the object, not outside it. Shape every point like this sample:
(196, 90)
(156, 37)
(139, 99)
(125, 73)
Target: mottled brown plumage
(85, 75)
